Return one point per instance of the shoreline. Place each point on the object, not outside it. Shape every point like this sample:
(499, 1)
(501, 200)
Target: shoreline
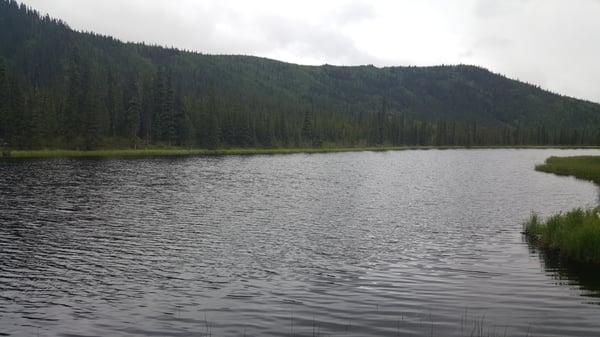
(574, 235)
(182, 152)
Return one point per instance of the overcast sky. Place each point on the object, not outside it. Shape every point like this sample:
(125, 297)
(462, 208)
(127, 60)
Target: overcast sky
(552, 43)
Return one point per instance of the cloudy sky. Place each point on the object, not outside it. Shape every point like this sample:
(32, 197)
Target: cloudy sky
(552, 43)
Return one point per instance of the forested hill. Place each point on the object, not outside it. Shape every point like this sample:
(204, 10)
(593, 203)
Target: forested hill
(65, 89)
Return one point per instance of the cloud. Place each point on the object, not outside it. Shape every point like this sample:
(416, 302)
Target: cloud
(546, 42)
(354, 12)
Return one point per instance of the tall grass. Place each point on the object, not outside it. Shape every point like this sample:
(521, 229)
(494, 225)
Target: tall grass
(574, 234)
(179, 151)
(582, 167)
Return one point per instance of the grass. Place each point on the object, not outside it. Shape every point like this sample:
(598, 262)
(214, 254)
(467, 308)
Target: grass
(574, 234)
(581, 167)
(180, 152)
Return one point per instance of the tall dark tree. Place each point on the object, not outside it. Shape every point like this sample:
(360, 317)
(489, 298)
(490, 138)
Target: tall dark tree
(133, 115)
(18, 116)
(158, 107)
(214, 133)
(72, 121)
(181, 128)
(168, 116)
(308, 128)
(4, 108)
(66, 89)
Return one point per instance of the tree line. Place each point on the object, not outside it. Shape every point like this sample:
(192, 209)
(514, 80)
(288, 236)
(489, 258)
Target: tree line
(65, 89)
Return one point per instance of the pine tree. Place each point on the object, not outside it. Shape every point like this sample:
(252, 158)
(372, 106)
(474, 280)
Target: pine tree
(214, 133)
(92, 125)
(180, 122)
(307, 128)
(71, 123)
(3, 104)
(158, 108)
(381, 122)
(20, 120)
(133, 115)
(168, 113)
(147, 111)
(62, 88)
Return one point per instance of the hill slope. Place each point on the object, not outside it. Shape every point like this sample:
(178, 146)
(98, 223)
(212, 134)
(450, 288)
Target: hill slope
(62, 88)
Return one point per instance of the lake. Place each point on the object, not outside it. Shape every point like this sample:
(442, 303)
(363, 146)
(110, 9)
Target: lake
(355, 244)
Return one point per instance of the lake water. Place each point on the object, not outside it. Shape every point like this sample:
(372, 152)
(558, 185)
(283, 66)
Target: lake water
(355, 244)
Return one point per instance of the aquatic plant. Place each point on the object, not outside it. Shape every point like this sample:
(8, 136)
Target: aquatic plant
(574, 234)
(581, 167)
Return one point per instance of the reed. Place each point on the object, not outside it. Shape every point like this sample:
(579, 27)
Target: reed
(574, 235)
(181, 152)
(581, 167)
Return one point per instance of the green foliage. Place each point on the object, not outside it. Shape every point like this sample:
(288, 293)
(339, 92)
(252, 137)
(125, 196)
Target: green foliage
(582, 167)
(307, 128)
(575, 234)
(65, 89)
(4, 108)
(176, 151)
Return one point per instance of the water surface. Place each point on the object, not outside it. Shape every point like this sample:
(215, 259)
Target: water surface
(353, 244)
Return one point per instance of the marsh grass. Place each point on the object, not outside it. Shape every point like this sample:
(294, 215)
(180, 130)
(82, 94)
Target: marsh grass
(581, 167)
(182, 152)
(574, 235)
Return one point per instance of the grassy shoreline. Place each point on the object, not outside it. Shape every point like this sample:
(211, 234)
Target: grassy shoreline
(183, 152)
(574, 235)
(580, 167)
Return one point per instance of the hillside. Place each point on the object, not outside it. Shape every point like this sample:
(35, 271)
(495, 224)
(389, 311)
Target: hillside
(60, 88)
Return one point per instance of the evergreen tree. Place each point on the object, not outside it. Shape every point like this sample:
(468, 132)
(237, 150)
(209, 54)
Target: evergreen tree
(169, 121)
(18, 120)
(74, 106)
(181, 128)
(133, 116)
(307, 128)
(91, 133)
(3, 104)
(214, 133)
(66, 89)
(158, 108)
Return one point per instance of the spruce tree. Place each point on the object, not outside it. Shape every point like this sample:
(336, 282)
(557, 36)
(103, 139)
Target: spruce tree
(307, 128)
(214, 133)
(71, 123)
(169, 131)
(158, 108)
(133, 115)
(3, 104)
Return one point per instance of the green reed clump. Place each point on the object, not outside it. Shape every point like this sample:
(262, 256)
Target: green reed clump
(582, 167)
(178, 151)
(574, 234)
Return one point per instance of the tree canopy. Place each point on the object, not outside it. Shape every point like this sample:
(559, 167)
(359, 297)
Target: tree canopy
(60, 88)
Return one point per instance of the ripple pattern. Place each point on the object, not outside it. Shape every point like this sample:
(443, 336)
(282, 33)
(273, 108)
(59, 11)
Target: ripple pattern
(355, 244)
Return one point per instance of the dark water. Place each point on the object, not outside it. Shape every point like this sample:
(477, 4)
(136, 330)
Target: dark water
(354, 244)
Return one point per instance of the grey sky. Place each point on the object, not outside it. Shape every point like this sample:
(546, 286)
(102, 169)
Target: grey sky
(551, 43)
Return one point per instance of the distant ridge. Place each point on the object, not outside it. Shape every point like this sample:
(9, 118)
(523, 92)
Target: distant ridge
(65, 89)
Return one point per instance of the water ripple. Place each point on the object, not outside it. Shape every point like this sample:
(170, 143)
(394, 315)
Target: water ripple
(354, 244)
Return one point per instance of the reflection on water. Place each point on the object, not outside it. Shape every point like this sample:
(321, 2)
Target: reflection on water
(584, 277)
(355, 244)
